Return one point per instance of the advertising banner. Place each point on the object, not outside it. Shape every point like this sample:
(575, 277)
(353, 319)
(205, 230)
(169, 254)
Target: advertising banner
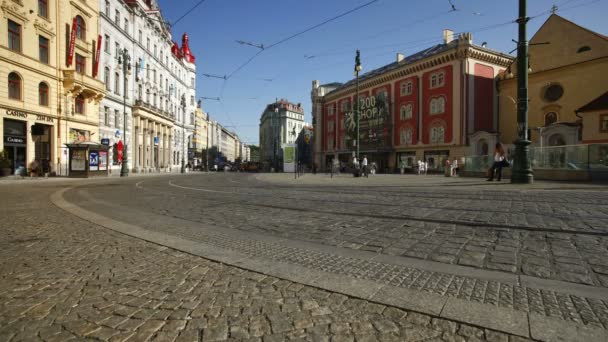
(103, 160)
(97, 52)
(79, 159)
(374, 123)
(289, 158)
(72, 43)
(78, 135)
(93, 160)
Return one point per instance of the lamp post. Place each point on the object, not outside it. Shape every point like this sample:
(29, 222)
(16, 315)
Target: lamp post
(295, 159)
(125, 60)
(275, 137)
(357, 69)
(522, 170)
(183, 104)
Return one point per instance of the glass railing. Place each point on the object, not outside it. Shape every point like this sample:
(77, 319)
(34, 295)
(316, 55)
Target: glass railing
(592, 157)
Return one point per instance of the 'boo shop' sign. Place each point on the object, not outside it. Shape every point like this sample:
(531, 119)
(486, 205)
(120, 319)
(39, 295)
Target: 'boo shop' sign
(372, 109)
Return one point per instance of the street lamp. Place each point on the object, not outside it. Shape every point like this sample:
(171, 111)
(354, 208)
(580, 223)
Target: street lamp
(357, 69)
(183, 104)
(295, 160)
(522, 170)
(125, 60)
(275, 137)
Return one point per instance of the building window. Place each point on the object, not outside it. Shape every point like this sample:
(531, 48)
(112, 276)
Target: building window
(155, 50)
(117, 17)
(81, 64)
(43, 94)
(107, 8)
(345, 106)
(405, 112)
(406, 88)
(553, 93)
(14, 36)
(437, 79)
(192, 82)
(148, 44)
(81, 28)
(192, 100)
(550, 118)
(437, 135)
(438, 105)
(604, 123)
(43, 8)
(117, 49)
(107, 77)
(139, 91)
(148, 96)
(116, 83)
(106, 116)
(43, 47)
(116, 118)
(79, 107)
(583, 49)
(126, 25)
(140, 37)
(106, 46)
(330, 110)
(405, 137)
(14, 86)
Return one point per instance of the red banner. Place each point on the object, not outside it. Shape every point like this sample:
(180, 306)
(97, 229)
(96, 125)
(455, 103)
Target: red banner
(72, 43)
(97, 52)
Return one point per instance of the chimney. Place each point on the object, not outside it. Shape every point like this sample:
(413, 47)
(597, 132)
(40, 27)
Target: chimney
(400, 57)
(448, 36)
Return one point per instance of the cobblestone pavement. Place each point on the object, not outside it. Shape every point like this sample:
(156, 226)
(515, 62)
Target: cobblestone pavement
(63, 278)
(552, 234)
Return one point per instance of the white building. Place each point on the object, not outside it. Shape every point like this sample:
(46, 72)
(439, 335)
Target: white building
(160, 88)
(280, 124)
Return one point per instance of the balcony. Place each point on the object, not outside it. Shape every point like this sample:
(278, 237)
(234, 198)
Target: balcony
(140, 104)
(77, 83)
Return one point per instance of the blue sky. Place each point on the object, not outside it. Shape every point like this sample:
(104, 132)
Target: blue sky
(380, 30)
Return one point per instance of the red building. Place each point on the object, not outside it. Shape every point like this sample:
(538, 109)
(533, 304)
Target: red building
(425, 106)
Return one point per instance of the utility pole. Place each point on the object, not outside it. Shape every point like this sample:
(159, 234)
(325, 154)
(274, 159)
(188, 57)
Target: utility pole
(522, 171)
(357, 69)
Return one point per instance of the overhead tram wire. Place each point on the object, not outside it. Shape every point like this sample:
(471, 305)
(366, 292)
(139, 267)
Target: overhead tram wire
(187, 12)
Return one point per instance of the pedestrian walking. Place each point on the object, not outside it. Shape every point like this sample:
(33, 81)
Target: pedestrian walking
(364, 163)
(500, 161)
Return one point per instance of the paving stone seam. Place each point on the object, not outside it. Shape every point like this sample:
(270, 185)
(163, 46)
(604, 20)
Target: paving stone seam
(459, 286)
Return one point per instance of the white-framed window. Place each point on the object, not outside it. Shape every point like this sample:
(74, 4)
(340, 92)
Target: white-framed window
(117, 17)
(405, 112)
(438, 79)
(437, 135)
(437, 105)
(106, 46)
(345, 106)
(406, 88)
(405, 136)
(330, 126)
(106, 116)
(330, 110)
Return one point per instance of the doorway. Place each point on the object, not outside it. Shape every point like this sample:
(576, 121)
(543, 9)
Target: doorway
(16, 156)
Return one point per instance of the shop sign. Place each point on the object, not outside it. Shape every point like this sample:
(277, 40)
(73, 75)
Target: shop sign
(43, 118)
(72, 43)
(103, 160)
(79, 159)
(93, 160)
(374, 122)
(16, 113)
(105, 141)
(96, 65)
(13, 140)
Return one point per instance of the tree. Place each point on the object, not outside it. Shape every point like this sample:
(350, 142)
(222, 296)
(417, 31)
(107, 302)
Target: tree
(254, 151)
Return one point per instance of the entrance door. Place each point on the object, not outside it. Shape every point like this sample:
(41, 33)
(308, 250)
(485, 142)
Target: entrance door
(16, 155)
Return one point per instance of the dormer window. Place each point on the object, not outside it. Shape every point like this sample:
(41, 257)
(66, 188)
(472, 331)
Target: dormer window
(583, 49)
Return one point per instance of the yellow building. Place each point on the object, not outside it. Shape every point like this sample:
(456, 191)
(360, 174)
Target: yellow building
(568, 68)
(48, 94)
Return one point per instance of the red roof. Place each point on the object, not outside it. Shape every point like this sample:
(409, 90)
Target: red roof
(600, 103)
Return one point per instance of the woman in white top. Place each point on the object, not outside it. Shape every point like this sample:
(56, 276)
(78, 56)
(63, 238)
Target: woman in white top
(499, 163)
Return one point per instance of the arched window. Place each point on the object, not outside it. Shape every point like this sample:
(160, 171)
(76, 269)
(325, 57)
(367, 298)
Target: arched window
(550, 118)
(406, 112)
(405, 136)
(81, 28)
(43, 94)
(438, 105)
(437, 135)
(14, 86)
(79, 107)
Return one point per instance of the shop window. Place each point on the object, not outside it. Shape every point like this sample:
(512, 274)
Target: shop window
(14, 86)
(43, 8)
(79, 104)
(81, 64)
(437, 105)
(43, 49)
(81, 28)
(550, 118)
(43, 94)
(14, 36)
(604, 123)
(405, 113)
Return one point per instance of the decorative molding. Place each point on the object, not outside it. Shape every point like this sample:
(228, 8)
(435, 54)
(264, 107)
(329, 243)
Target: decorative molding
(44, 27)
(81, 9)
(15, 10)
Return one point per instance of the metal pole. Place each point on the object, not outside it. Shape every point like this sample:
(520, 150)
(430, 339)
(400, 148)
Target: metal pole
(522, 171)
(183, 169)
(124, 170)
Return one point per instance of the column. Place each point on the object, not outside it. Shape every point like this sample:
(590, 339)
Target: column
(151, 149)
(170, 148)
(135, 145)
(144, 135)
